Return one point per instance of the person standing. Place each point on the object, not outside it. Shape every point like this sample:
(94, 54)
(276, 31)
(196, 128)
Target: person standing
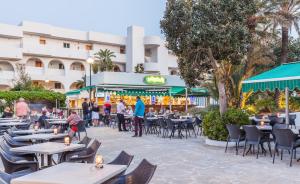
(22, 109)
(95, 114)
(85, 109)
(139, 112)
(120, 114)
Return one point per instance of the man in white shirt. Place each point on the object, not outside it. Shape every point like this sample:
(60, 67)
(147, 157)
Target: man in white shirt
(120, 114)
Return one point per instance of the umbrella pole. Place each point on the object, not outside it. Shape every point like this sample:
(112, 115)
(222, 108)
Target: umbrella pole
(286, 105)
(186, 98)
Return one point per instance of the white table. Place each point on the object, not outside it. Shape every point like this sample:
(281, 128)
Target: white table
(11, 124)
(56, 119)
(151, 118)
(58, 122)
(71, 173)
(186, 117)
(11, 120)
(39, 137)
(32, 131)
(48, 148)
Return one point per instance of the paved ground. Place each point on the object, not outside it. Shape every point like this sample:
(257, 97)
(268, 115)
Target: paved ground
(192, 162)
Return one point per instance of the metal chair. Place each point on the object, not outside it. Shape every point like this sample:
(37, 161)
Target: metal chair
(86, 155)
(6, 178)
(14, 163)
(286, 140)
(255, 137)
(141, 175)
(234, 135)
(12, 143)
(6, 148)
(81, 128)
(292, 118)
(122, 159)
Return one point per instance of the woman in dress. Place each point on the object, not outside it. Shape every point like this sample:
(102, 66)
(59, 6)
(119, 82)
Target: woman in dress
(95, 114)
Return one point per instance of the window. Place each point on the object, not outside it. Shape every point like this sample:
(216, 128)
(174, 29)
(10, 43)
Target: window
(57, 85)
(61, 66)
(123, 50)
(88, 47)
(38, 64)
(66, 45)
(42, 41)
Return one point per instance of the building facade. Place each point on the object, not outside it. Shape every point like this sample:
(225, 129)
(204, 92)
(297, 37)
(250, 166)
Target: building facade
(55, 57)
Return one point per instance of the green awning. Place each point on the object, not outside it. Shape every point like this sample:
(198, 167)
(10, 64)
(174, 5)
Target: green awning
(177, 91)
(73, 92)
(198, 92)
(285, 75)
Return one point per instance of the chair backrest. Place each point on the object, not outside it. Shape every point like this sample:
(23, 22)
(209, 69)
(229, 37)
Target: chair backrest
(284, 137)
(86, 140)
(93, 147)
(4, 178)
(252, 133)
(122, 159)
(280, 126)
(142, 174)
(292, 116)
(198, 121)
(170, 124)
(234, 131)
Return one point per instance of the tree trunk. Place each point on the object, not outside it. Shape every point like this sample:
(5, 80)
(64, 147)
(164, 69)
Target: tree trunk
(284, 44)
(222, 97)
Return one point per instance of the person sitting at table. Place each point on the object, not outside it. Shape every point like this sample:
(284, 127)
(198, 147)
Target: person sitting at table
(73, 121)
(151, 112)
(7, 113)
(42, 121)
(129, 111)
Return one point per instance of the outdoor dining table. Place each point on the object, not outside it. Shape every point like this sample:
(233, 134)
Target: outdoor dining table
(39, 137)
(47, 148)
(71, 173)
(11, 124)
(10, 120)
(32, 131)
(58, 122)
(178, 123)
(186, 117)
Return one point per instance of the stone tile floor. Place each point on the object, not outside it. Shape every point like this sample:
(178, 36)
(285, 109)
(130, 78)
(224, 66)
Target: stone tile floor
(190, 161)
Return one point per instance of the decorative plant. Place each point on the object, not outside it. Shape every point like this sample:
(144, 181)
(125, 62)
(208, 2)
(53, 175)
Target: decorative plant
(139, 68)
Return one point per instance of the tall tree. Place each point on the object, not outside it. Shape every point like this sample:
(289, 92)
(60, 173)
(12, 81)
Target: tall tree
(104, 61)
(207, 35)
(286, 14)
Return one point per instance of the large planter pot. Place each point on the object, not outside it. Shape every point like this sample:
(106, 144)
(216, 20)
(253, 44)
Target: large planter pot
(211, 142)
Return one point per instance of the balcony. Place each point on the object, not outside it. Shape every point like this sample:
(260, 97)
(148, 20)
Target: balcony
(11, 53)
(55, 72)
(151, 67)
(31, 70)
(76, 74)
(152, 40)
(6, 77)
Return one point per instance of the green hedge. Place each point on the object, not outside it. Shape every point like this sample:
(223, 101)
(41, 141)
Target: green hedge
(33, 96)
(214, 126)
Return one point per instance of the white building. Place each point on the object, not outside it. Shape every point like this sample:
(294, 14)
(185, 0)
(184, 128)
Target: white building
(55, 57)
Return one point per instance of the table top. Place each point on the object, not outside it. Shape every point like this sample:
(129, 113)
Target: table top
(56, 119)
(39, 137)
(58, 122)
(12, 124)
(71, 173)
(186, 117)
(269, 128)
(32, 131)
(152, 118)
(10, 120)
(179, 120)
(48, 148)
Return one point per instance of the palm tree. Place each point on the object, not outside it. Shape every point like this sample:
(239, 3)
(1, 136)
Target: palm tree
(284, 13)
(104, 61)
(80, 83)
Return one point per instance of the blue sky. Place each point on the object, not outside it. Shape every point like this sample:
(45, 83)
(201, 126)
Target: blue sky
(108, 16)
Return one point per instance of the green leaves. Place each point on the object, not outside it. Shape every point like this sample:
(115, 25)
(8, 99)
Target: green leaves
(104, 61)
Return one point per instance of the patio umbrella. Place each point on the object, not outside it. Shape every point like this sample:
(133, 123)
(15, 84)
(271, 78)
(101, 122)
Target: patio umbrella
(284, 77)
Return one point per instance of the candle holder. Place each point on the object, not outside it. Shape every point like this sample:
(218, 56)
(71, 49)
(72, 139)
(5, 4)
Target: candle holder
(67, 141)
(36, 127)
(55, 131)
(262, 123)
(99, 162)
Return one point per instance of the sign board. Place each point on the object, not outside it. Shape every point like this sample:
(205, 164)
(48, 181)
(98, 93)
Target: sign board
(155, 80)
(100, 95)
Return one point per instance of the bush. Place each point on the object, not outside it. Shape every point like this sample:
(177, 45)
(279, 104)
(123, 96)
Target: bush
(214, 126)
(33, 96)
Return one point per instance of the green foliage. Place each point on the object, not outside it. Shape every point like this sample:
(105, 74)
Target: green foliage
(214, 125)
(265, 105)
(139, 68)
(294, 104)
(104, 61)
(23, 81)
(293, 48)
(33, 96)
